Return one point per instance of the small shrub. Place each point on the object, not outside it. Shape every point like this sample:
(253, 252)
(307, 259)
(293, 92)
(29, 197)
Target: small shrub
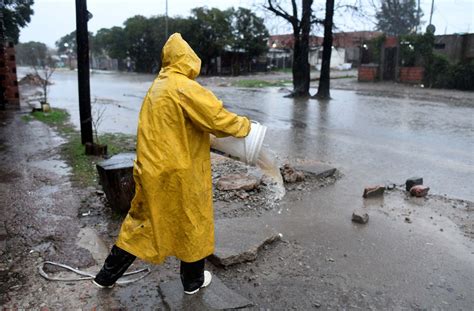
(437, 71)
(440, 73)
(463, 76)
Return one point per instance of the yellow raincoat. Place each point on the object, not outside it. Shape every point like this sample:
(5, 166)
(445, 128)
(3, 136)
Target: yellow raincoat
(171, 213)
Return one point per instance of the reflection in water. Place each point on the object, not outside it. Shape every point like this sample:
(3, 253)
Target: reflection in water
(322, 142)
(300, 123)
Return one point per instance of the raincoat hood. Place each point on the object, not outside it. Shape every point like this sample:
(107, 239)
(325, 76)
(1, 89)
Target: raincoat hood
(178, 56)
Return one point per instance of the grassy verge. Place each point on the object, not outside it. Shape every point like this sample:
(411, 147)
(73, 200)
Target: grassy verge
(73, 152)
(260, 83)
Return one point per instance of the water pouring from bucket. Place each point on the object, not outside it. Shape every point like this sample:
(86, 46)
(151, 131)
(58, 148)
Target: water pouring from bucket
(250, 150)
(245, 149)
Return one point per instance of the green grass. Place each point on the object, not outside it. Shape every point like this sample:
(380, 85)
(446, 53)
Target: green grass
(27, 118)
(118, 142)
(73, 152)
(83, 166)
(259, 83)
(55, 117)
(58, 118)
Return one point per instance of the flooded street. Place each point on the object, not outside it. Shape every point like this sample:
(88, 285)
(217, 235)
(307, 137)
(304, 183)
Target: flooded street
(415, 253)
(371, 139)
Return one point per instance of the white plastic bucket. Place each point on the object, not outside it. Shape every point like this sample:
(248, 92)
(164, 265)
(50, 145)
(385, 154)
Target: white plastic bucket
(243, 149)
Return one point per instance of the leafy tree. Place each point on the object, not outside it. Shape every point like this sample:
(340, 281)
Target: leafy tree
(398, 17)
(249, 33)
(212, 33)
(111, 41)
(67, 42)
(31, 53)
(209, 31)
(177, 24)
(140, 41)
(16, 15)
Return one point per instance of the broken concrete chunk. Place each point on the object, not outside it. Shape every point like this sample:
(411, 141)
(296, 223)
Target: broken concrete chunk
(239, 240)
(238, 182)
(372, 192)
(419, 191)
(360, 216)
(414, 181)
(319, 170)
(290, 175)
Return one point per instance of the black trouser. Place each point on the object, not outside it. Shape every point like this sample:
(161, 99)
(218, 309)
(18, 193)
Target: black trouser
(118, 261)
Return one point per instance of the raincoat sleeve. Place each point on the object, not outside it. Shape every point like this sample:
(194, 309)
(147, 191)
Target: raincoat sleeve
(209, 114)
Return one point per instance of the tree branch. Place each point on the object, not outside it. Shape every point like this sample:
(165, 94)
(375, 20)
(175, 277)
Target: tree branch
(282, 13)
(317, 21)
(295, 9)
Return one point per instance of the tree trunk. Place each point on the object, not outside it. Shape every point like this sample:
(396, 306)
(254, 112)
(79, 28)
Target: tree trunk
(324, 80)
(301, 68)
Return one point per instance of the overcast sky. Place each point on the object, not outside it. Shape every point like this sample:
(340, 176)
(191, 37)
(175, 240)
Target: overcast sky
(56, 18)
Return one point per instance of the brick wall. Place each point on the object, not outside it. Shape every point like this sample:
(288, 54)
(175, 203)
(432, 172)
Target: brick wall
(368, 73)
(8, 74)
(411, 74)
(390, 42)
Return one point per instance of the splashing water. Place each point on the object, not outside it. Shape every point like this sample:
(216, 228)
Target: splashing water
(267, 162)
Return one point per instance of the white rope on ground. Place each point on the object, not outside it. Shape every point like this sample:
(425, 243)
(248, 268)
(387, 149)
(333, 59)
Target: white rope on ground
(87, 275)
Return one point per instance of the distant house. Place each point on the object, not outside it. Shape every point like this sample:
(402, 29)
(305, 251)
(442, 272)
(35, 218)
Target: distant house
(457, 47)
(346, 49)
(104, 63)
(351, 42)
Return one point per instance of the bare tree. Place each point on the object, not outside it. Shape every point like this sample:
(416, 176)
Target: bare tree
(44, 73)
(97, 118)
(301, 29)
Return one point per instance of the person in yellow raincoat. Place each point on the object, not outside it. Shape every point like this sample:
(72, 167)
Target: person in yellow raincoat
(171, 213)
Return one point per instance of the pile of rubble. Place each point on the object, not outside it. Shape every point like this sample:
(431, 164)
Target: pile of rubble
(33, 79)
(237, 184)
(414, 186)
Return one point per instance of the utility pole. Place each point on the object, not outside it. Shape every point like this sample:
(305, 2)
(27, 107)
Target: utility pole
(166, 21)
(418, 17)
(82, 36)
(2, 55)
(432, 7)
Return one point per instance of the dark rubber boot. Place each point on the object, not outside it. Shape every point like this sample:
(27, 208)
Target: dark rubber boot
(192, 275)
(114, 267)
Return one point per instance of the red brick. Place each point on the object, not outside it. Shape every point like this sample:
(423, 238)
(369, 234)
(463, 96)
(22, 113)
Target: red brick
(411, 74)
